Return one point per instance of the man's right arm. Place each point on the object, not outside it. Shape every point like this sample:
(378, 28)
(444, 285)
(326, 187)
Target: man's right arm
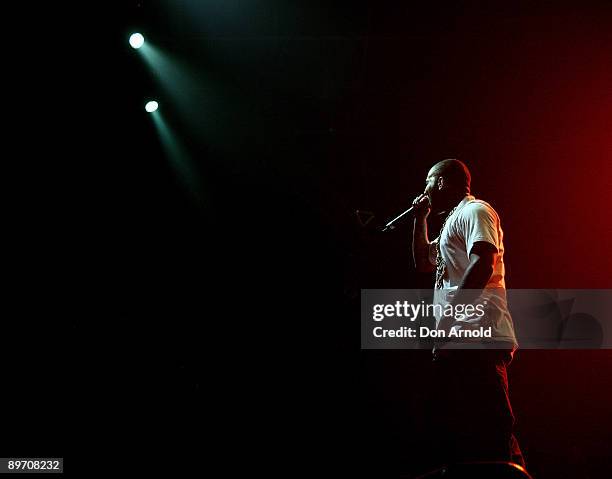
(420, 240)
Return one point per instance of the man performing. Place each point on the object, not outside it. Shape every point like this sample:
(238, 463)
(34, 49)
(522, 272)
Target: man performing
(471, 414)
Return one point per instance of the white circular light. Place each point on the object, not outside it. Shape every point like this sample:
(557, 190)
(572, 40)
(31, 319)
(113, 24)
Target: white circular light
(151, 106)
(136, 40)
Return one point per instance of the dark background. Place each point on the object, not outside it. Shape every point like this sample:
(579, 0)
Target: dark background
(140, 321)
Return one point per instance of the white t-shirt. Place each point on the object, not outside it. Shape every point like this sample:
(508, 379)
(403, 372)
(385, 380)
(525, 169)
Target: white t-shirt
(474, 220)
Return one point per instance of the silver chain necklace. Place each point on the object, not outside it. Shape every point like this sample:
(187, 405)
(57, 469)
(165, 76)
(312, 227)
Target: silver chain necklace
(440, 263)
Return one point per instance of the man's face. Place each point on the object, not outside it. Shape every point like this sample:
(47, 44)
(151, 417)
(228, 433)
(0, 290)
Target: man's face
(431, 187)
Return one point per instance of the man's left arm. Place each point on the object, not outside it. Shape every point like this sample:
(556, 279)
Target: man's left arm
(475, 279)
(477, 274)
(480, 227)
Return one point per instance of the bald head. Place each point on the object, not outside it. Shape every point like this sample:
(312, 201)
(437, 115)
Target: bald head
(456, 175)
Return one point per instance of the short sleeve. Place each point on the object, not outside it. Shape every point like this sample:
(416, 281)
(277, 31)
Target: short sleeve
(481, 223)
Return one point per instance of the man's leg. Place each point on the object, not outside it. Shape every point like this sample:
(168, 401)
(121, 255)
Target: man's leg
(480, 418)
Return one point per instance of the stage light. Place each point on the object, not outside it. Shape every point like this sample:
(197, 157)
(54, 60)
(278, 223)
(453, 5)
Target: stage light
(136, 40)
(151, 106)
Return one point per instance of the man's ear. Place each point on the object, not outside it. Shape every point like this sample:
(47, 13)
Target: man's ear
(440, 182)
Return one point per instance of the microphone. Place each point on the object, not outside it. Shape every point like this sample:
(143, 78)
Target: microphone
(390, 225)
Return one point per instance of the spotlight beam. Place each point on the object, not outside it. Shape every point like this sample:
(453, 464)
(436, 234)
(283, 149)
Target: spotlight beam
(178, 156)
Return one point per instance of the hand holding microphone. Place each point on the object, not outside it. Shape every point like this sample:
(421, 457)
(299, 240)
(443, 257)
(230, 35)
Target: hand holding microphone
(421, 206)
